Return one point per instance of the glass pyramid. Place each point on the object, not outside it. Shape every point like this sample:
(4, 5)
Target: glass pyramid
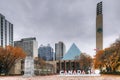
(72, 53)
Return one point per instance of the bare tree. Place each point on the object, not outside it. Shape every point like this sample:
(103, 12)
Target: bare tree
(8, 56)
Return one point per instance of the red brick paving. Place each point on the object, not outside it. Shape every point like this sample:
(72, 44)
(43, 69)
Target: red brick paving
(56, 77)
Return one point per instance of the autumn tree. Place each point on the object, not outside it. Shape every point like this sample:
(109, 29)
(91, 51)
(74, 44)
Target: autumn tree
(8, 56)
(99, 60)
(113, 54)
(109, 58)
(40, 63)
(85, 61)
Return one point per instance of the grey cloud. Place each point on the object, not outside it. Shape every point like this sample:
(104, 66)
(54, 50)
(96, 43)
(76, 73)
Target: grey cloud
(65, 20)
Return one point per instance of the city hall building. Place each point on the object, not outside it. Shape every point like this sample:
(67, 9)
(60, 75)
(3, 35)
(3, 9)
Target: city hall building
(69, 60)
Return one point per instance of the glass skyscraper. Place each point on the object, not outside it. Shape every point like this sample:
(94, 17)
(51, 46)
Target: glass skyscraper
(46, 52)
(59, 50)
(6, 32)
(29, 45)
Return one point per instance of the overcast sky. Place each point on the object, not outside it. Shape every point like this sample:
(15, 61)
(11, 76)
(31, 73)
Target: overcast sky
(70, 21)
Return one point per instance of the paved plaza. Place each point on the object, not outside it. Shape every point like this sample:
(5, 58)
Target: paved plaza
(56, 77)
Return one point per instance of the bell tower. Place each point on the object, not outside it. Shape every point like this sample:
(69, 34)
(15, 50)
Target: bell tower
(99, 27)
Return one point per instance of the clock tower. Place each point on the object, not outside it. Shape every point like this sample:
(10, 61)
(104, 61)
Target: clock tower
(99, 27)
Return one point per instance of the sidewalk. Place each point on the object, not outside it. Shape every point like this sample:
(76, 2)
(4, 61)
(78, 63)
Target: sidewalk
(56, 77)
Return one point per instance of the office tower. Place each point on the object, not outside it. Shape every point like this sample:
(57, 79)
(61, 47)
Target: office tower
(6, 32)
(46, 52)
(99, 27)
(29, 45)
(59, 50)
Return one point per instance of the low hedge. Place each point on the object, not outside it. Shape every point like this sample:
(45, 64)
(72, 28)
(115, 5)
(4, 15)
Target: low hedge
(115, 73)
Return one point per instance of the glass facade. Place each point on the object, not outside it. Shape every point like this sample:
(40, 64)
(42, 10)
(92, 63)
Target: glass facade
(59, 50)
(29, 45)
(46, 52)
(6, 32)
(72, 53)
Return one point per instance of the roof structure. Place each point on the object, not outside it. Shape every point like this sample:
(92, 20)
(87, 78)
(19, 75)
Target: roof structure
(72, 53)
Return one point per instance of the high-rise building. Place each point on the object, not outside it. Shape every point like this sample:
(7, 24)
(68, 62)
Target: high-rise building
(59, 50)
(99, 27)
(29, 45)
(6, 32)
(46, 52)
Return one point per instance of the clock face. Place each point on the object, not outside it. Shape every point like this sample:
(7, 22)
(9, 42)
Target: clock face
(99, 30)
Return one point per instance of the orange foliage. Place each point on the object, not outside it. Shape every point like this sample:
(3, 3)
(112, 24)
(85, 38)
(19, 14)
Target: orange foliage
(98, 61)
(85, 61)
(8, 56)
(40, 62)
(108, 58)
